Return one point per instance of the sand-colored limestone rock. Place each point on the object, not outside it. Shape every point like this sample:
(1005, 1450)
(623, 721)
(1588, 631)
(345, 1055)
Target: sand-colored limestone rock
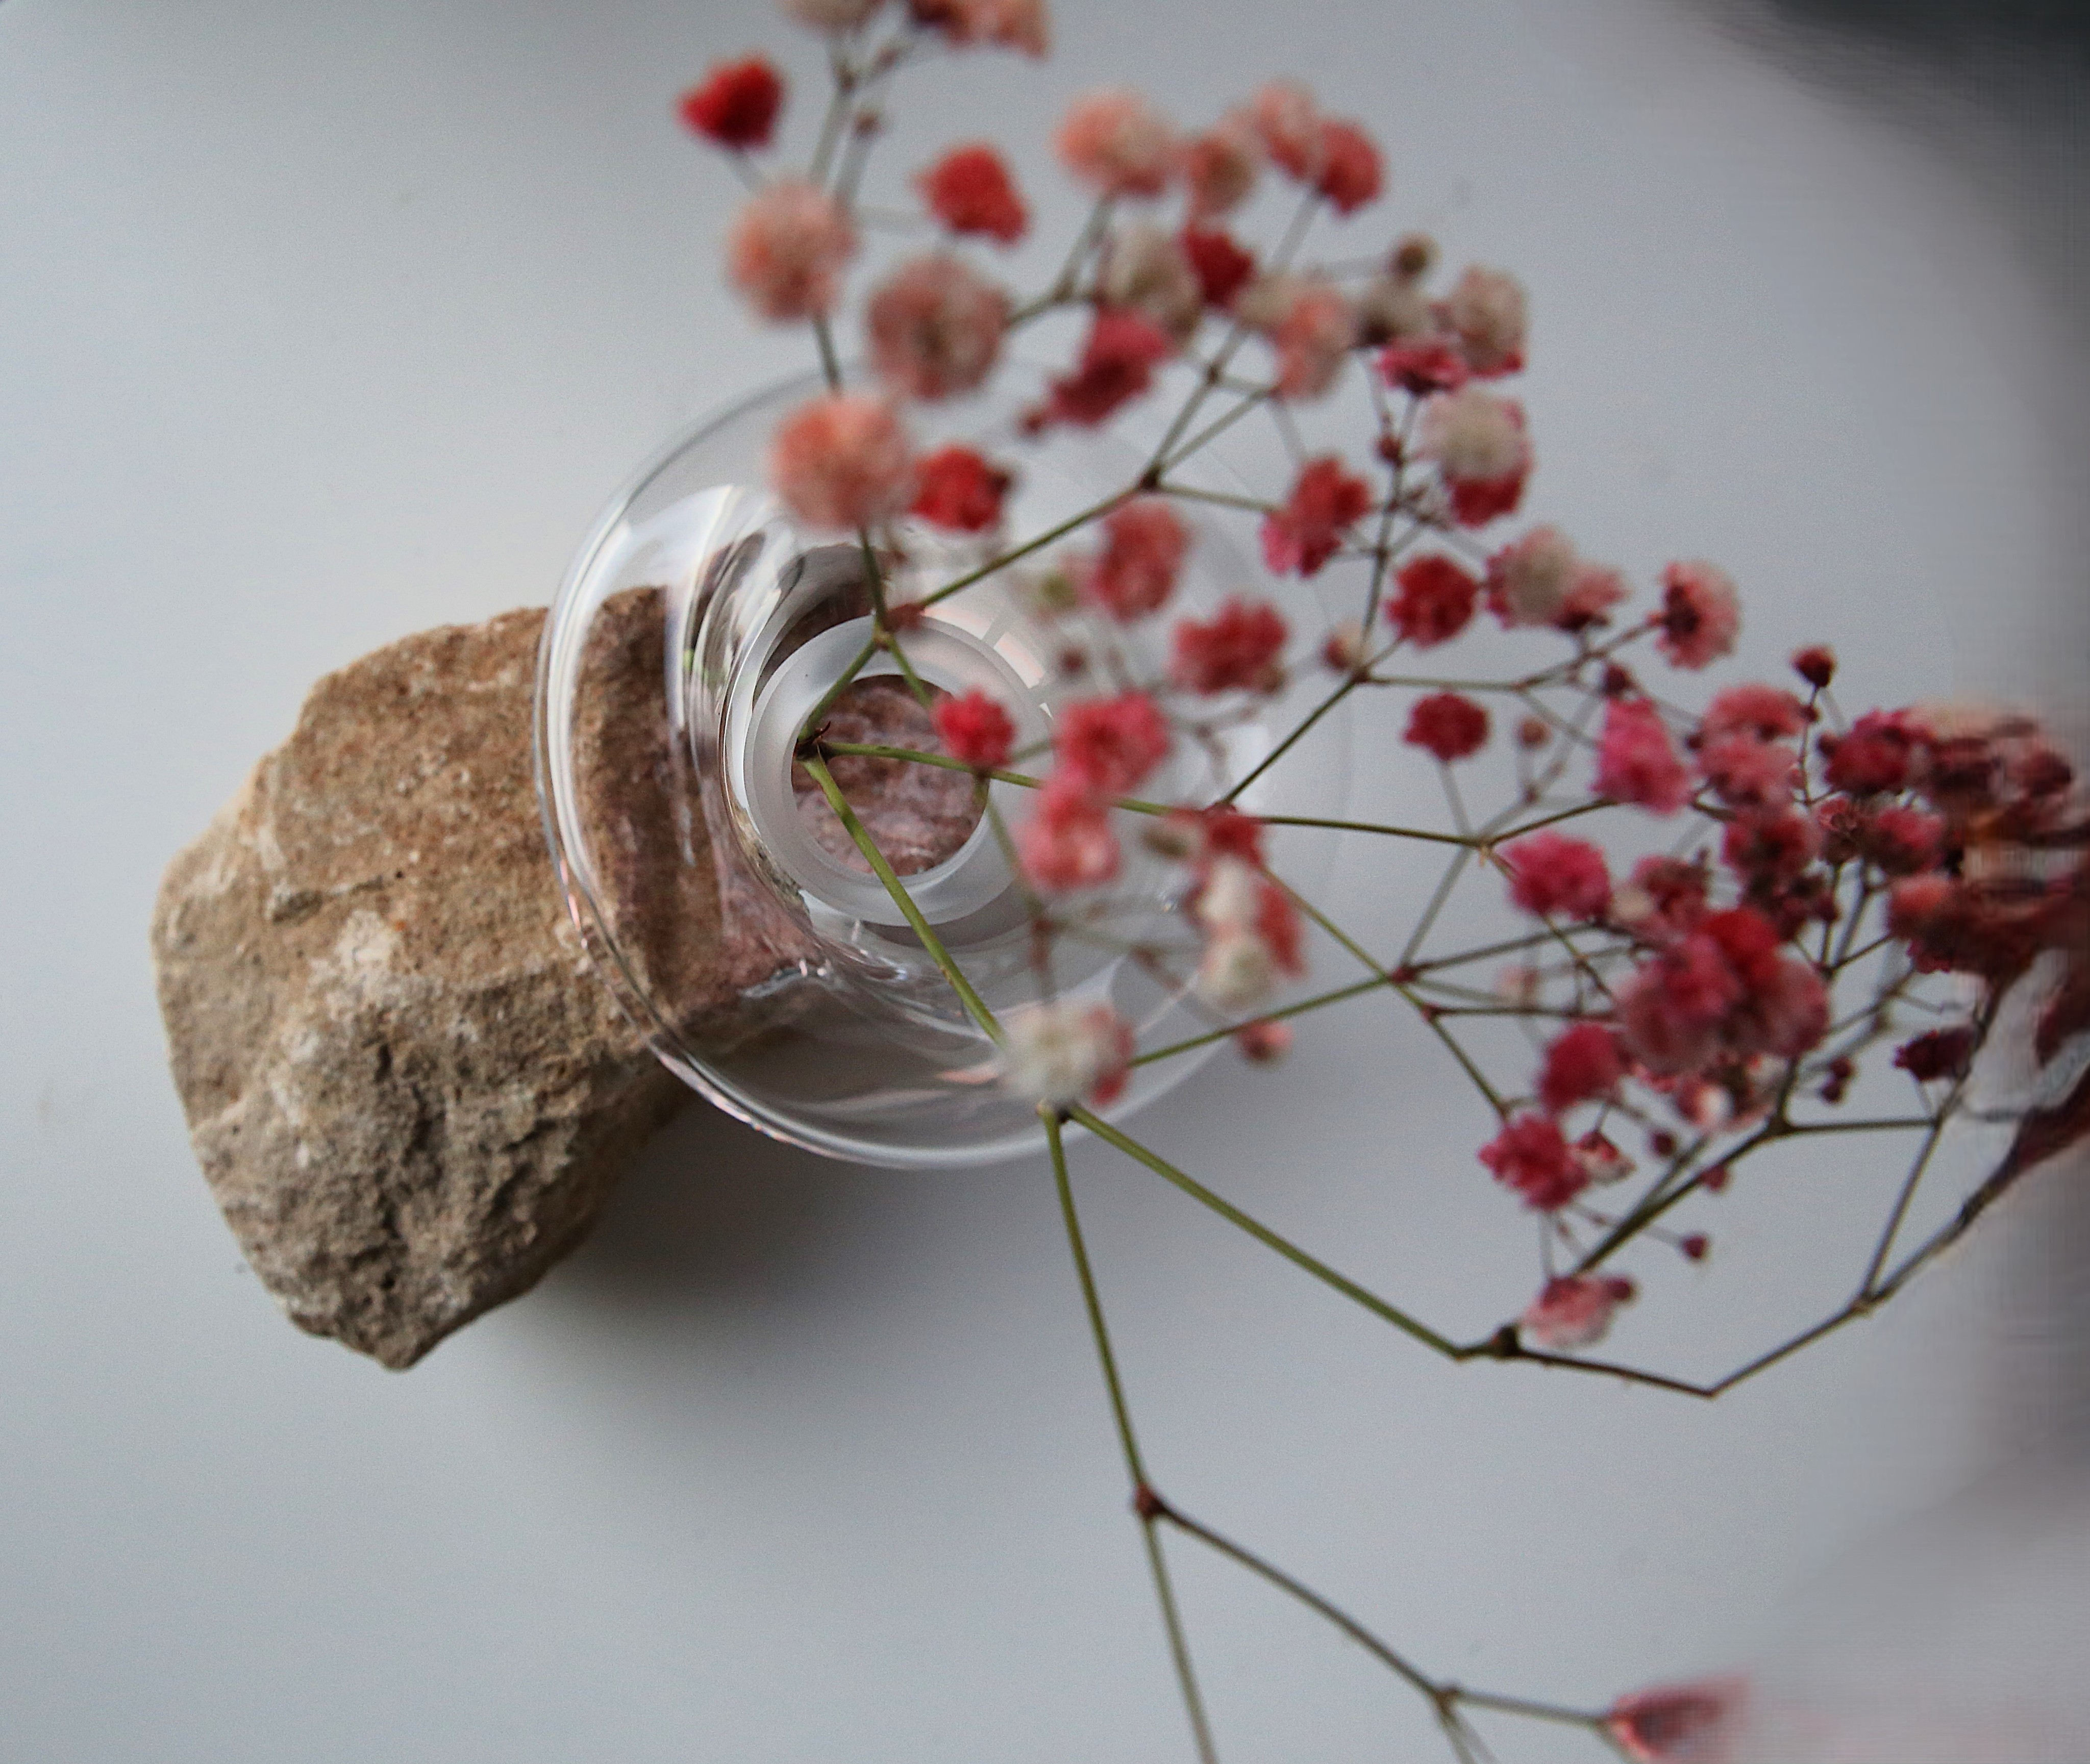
(407, 1088)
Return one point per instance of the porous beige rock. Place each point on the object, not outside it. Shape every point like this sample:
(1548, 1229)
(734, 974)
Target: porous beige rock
(407, 1088)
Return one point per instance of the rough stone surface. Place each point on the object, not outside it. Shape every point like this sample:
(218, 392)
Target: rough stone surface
(407, 1089)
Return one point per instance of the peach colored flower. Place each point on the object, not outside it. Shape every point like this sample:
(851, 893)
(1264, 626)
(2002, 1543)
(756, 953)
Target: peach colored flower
(1220, 166)
(1311, 325)
(936, 326)
(1284, 114)
(1479, 443)
(1018, 24)
(833, 16)
(842, 461)
(1485, 311)
(786, 251)
(1145, 270)
(1117, 143)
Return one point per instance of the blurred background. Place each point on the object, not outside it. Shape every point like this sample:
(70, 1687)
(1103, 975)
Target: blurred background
(319, 325)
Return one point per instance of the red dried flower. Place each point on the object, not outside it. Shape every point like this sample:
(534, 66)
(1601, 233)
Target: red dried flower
(1108, 744)
(1530, 1156)
(1434, 599)
(1937, 1054)
(1222, 267)
(1816, 665)
(1117, 365)
(1237, 647)
(1144, 545)
(1479, 443)
(1424, 365)
(1448, 726)
(969, 191)
(975, 729)
(735, 104)
(959, 489)
(1351, 174)
(1874, 757)
(1304, 535)
(1582, 1063)
(1557, 877)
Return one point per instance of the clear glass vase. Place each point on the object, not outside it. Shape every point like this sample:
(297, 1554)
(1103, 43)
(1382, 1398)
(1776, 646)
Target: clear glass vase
(717, 893)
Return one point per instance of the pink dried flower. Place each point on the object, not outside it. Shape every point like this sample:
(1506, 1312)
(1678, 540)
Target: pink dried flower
(1219, 167)
(1433, 599)
(1693, 1723)
(1555, 876)
(1773, 846)
(842, 461)
(1636, 761)
(1283, 112)
(1768, 713)
(1700, 614)
(1017, 24)
(1145, 270)
(1485, 311)
(1114, 141)
(1304, 533)
(1582, 1063)
(958, 488)
(1144, 544)
(1237, 647)
(1448, 726)
(969, 191)
(1222, 268)
(1574, 1311)
(1109, 745)
(1253, 934)
(1746, 773)
(1530, 1157)
(936, 326)
(1479, 443)
(787, 249)
(976, 730)
(736, 103)
(1063, 1053)
(1067, 843)
(1351, 173)
(1117, 365)
(1264, 1042)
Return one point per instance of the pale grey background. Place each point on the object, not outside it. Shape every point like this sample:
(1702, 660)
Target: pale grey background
(319, 324)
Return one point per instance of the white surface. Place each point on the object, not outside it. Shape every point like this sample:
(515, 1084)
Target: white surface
(319, 325)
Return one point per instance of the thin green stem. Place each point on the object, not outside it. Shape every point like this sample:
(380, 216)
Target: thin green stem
(1164, 1589)
(1270, 1239)
(974, 1007)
